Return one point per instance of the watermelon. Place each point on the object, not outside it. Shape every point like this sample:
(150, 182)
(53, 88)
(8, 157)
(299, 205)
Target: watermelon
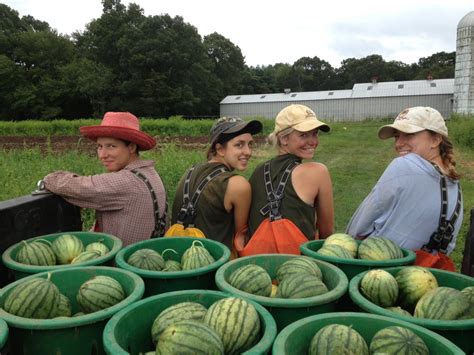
(237, 323)
(147, 259)
(335, 250)
(172, 265)
(252, 279)
(413, 282)
(344, 240)
(189, 337)
(37, 252)
(85, 256)
(173, 314)
(399, 310)
(335, 339)
(98, 246)
(67, 247)
(397, 340)
(296, 265)
(444, 303)
(99, 293)
(301, 286)
(36, 298)
(379, 248)
(379, 287)
(196, 256)
(65, 308)
(469, 293)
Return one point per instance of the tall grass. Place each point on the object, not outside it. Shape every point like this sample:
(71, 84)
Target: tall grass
(354, 155)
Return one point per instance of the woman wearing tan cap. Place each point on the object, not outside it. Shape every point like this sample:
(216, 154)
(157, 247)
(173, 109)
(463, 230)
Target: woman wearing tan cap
(211, 196)
(406, 204)
(307, 198)
(129, 199)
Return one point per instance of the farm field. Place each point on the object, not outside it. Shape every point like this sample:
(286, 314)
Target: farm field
(352, 152)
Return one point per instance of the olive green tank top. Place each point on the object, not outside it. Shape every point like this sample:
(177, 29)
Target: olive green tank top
(291, 207)
(211, 216)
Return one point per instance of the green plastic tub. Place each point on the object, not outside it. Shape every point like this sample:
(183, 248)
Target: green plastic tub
(129, 331)
(80, 335)
(352, 267)
(286, 311)
(460, 332)
(20, 270)
(296, 337)
(3, 334)
(157, 282)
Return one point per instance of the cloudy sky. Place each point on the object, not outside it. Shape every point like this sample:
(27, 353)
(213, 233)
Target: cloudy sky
(276, 31)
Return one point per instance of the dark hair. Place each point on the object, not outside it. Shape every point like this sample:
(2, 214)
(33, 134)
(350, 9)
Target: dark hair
(212, 151)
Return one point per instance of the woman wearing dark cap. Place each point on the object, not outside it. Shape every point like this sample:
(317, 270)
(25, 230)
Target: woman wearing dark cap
(123, 196)
(223, 201)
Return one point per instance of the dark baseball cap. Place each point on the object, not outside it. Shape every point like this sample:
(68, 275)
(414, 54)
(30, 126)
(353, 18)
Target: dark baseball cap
(231, 127)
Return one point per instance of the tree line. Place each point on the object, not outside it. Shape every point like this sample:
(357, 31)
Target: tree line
(157, 66)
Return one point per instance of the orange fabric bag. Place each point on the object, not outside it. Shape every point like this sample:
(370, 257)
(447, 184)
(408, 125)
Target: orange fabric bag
(437, 261)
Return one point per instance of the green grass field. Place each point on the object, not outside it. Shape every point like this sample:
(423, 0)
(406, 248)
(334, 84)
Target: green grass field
(352, 152)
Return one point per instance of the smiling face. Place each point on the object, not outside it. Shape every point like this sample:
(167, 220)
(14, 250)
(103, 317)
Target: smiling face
(301, 144)
(236, 152)
(424, 143)
(115, 154)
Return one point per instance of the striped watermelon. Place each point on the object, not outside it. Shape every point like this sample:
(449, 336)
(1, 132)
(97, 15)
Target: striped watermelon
(399, 310)
(379, 248)
(196, 256)
(67, 247)
(335, 250)
(176, 313)
(301, 286)
(85, 256)
(379, 287)
(337, 339)
(37, 252)
(34, 298)
(252, 279)
(189, 337)
(413, 282)
(444, 303)
(99, 293)
(172, 265)
(344, 240)
(147, 259)
(98, 246)
(297, 265)
(469, 293)
(65, 308)
(236, 322)
(397, 340)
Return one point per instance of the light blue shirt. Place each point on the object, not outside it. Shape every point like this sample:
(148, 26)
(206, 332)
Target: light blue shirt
(405, 204)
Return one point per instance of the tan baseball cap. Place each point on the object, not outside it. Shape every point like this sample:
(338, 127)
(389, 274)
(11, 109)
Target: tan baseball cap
(413, 120)
(300, 118)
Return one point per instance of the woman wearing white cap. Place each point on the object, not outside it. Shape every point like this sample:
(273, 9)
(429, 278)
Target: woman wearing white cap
(221, 206)
(406, 203)
(307, 200)
(122, 197)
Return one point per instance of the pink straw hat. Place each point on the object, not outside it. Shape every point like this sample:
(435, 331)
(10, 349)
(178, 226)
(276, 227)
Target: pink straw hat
(120, 125)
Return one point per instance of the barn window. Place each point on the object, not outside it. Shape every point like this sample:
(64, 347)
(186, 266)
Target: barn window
(237, 98)
(263, 96)
(293, 95)
(401, 86)
(369, 87)
(330, 93)
(433, 85)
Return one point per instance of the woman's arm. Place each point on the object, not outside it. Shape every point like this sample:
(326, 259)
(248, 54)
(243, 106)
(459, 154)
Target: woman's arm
(237, 198)
(324, 205)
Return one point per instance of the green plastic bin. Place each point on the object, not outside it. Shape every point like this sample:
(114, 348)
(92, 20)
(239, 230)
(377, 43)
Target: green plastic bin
(286, 311)
(352, 267)
(81, 335)
(296, 337)
(3, 334)
(20, 270)
(157, 282)
(129, 331)
(460, 332)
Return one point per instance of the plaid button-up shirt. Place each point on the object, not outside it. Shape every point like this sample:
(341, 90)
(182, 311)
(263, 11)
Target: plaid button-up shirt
(122, 201)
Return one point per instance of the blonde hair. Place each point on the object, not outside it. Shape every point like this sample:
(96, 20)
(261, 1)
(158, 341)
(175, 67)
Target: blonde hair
(446, 151)
(274, 138)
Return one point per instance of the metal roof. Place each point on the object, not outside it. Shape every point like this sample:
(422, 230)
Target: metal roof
(382, 89)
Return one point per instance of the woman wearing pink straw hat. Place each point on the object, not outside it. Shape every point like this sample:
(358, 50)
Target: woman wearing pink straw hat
(129, 199)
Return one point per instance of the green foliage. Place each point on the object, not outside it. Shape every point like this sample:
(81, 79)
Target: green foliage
(462, 129)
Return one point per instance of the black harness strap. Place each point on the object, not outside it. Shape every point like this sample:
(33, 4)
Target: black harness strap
(274, 197)
(441, 238)
(160, 222)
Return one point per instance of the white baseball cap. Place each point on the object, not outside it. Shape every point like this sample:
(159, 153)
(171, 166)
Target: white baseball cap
(413, 120)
